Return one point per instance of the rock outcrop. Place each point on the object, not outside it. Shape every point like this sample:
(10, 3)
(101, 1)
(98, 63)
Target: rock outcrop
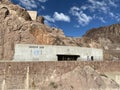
(59, 75)
(40, 19)
(5, 1)
(16, 26)
(104, 35)
(80, 79)
(107, 38)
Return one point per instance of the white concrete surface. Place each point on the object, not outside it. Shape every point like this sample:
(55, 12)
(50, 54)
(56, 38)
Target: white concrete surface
(33, 14)
(29, 52)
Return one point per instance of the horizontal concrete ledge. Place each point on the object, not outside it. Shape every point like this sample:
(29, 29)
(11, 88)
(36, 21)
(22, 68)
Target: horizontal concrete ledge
(50, 61)
(57, 62)
(3, 60)
(101, 61)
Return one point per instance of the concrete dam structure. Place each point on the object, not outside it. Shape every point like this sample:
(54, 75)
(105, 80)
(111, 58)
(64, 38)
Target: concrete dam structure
(29, 52)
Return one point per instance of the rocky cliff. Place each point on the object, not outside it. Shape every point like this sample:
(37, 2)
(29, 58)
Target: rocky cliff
(16, 26)
(107, 38)
(104, 35)
(81, 79)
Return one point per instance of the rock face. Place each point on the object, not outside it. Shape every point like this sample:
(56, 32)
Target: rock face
(5, 1)
(107, 38)
(40, 19)
(105, 35)
(80, 79)
(58, 75)
(16, 26)
(12, 31)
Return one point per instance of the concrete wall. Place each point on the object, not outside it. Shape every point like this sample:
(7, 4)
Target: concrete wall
(33, 14)
(29, 52)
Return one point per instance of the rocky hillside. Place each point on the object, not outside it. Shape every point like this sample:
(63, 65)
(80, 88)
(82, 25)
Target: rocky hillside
(81, 79)
(104, 35)
(59, 76)
(107, 38)
(16, 26)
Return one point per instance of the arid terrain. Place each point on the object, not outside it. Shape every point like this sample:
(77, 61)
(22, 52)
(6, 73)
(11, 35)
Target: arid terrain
(60, 75)
(17, 27)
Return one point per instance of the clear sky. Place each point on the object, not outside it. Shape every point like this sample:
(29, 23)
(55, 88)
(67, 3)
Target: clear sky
(75, 17)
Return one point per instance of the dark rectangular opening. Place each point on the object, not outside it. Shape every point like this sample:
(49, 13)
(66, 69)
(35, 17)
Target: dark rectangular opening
(92, 58)
(67, 57)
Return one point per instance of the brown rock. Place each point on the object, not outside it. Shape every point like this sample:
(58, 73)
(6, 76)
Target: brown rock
(5, 1)
(80, 79)
(3, 13)
(40, 19)
(16, 27)
(107, 38)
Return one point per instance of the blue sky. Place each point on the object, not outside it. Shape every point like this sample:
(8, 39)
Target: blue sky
(75, 17)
